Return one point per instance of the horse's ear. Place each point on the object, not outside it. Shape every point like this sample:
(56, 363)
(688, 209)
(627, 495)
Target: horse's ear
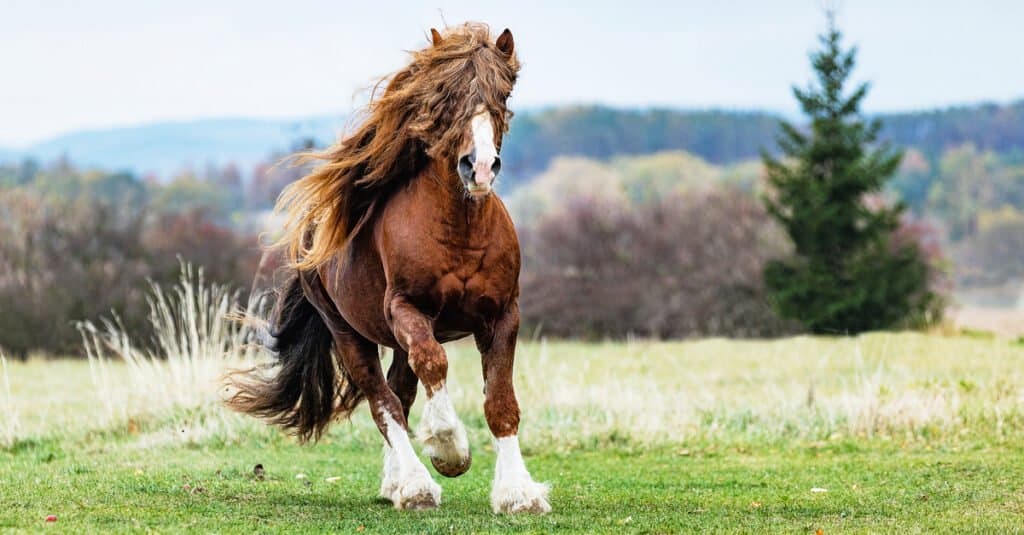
(435, 36)
(505, 43)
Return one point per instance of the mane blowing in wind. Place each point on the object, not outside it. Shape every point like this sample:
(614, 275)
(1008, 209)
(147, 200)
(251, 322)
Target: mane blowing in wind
(399, 240)
(419, 117)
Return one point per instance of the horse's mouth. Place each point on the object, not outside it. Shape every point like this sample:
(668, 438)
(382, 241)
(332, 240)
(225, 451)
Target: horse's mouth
(478, 190)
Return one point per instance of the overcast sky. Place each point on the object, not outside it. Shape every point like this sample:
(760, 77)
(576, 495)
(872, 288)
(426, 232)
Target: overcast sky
(69, 65)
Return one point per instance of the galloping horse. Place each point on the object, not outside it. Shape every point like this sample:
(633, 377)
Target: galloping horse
(398, 240)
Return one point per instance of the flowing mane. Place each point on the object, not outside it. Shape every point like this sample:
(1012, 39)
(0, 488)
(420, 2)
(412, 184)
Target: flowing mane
(419, 117)
(371, 267)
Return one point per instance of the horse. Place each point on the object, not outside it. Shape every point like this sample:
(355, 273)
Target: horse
(397, 239)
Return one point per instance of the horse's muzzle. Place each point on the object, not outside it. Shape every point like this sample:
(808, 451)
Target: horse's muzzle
(478, 175)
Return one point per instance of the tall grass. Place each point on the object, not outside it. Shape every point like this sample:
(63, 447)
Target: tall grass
(888, 386)
(8, 410)
(199, 330)
(880, 386)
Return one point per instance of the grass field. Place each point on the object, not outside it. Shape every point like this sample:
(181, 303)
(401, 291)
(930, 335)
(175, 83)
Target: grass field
(879, 433)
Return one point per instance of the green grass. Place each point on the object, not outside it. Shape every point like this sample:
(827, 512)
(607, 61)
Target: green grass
(870, 488)
(906, 432)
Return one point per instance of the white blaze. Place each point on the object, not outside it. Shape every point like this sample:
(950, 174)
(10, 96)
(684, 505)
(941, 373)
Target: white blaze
(483, 143)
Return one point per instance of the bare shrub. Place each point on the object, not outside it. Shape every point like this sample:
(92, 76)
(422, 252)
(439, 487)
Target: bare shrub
(226, 256)
(926, 237)
(995, 255)
(63, 261)
(685, 264)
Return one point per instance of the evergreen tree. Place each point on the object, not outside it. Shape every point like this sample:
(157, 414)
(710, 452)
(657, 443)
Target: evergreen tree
(846, 274)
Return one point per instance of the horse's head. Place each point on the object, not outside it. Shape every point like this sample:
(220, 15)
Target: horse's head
(445, 111)
(464, 115)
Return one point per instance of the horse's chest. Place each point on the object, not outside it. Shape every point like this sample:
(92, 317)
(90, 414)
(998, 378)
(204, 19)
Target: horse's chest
(472, 288)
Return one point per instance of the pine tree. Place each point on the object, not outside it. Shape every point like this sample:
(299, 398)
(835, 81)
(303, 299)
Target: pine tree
(846, 275)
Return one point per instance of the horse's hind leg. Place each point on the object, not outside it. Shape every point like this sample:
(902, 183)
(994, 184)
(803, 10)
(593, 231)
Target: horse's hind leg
(402, 380)
(514, 490)
(442, 434)
(411, 486)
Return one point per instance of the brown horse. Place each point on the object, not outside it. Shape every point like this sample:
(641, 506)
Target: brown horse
(397, 240)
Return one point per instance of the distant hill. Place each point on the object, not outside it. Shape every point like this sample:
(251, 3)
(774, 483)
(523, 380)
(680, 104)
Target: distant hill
(723, 137)
(164, 148)
(599, 132)
(535, 138)
(995, 127)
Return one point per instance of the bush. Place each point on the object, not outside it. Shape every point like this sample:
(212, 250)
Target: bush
(686, 264)
(63, 261)
(226, 256)
(995, 255)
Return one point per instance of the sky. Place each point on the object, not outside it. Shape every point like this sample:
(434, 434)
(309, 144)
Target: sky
(68, 65)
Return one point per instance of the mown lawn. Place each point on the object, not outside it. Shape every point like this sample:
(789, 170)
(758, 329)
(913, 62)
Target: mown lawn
(858, 487)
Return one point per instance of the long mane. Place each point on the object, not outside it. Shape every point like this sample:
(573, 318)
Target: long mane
(420, 116)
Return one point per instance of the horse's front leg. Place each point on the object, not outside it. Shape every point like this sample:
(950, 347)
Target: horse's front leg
(514, 490)
(443, 436)
(406, 481)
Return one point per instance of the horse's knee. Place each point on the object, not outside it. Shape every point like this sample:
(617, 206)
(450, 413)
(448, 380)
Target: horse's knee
(429, 362)
(502, 413)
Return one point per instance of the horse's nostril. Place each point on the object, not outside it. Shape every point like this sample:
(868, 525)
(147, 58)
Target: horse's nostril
(496, 166)
(466, 167)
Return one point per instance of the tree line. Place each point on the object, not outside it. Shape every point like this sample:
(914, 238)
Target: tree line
(76, 245)
(724, 137)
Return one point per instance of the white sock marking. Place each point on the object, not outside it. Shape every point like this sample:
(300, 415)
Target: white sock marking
(514, 490)
(414, 489)
(389, 482)
(442, 434)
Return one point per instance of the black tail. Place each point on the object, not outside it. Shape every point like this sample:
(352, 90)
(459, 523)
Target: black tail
(309, 388)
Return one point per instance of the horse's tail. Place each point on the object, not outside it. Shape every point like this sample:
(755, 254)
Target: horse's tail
(309, 388)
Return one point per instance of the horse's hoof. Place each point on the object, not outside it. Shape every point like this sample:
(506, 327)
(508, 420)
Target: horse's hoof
(420, 502)
(529, 497)
(388, 489)
(452, 469)
(418, 493)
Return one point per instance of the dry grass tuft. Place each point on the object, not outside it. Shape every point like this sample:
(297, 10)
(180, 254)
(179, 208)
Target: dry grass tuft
(198, 333)
(10, 427)
(888, 386)
(885, 386)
